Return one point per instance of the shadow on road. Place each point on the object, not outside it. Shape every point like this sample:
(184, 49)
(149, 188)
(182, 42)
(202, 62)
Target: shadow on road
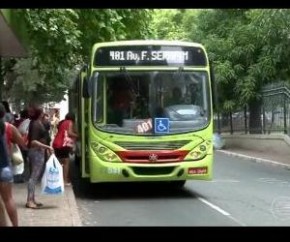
(127, 190)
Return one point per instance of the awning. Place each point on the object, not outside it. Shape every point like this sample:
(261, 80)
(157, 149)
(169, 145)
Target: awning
(10, 46)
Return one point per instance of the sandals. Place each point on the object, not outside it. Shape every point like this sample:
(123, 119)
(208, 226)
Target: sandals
(33, 205)
(38, 204)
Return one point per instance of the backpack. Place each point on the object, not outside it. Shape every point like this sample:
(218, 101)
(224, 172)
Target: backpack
(4, 153)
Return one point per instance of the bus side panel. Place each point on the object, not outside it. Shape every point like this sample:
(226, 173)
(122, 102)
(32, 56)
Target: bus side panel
(83, 126)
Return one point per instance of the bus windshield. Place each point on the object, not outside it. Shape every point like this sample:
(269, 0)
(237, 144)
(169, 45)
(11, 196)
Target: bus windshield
(132, 102)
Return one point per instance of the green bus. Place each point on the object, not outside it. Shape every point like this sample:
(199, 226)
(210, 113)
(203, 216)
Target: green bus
(144, 112)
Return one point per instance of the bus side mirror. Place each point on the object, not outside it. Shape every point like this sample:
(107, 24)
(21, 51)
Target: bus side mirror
(87, 87)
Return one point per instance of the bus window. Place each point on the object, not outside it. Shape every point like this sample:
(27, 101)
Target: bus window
(176, 97)
(135, 97)
(121, 100)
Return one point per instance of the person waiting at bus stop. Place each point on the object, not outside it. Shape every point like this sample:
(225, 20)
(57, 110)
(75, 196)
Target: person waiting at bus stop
(9, 134)
(37, 137)
(63, 144)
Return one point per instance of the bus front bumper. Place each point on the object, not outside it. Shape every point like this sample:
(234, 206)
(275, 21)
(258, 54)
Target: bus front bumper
(101, 171)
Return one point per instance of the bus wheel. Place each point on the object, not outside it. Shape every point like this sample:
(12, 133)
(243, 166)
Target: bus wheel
(178, 184)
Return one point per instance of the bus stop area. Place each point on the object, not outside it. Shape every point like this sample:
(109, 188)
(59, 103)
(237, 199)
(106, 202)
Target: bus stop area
(60, 210)
(63, 211)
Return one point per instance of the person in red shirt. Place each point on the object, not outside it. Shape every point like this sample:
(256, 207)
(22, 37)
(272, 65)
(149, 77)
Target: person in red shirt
(9, 135)
(64, 142)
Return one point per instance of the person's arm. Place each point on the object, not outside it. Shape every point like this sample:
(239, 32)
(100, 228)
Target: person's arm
(17, 138)
(36, 143)
(71, 132)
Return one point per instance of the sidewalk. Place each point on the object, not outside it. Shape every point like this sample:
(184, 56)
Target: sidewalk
(62, 210)
(57, 210)
(274, 159)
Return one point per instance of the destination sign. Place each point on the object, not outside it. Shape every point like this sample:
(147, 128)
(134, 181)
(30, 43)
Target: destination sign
(170, 56)
(149, 55)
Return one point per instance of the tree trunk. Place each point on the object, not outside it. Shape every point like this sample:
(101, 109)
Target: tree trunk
(255, 117)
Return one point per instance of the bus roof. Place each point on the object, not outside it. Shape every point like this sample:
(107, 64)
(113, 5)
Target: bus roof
(147, 42)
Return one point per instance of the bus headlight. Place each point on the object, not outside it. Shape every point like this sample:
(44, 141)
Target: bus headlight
(199, 151)
(104, 153)
(102, 149)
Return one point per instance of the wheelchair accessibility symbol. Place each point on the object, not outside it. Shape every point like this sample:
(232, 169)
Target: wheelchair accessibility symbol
(161, 125)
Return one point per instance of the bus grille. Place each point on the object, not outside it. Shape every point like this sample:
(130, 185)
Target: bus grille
(166, 145)
(153, 171)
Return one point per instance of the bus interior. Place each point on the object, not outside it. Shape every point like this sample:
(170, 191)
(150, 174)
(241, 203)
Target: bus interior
(123, 100)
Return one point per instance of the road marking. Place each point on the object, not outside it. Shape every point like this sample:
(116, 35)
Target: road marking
(273, 181)
(223, 212)
(214, 206)
(225, 180)
(256, 159)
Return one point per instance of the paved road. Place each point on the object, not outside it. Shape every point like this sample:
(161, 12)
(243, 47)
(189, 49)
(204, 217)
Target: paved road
(243, 193)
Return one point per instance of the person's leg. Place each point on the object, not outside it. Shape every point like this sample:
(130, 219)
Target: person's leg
(3, 220)
(6, 194)
(65, 162)
(46, 157)
(36, 157)
(27, 166)
(63, 157)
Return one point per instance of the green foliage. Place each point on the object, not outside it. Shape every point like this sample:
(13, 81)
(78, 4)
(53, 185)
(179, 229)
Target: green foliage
(112, 24)
(248, 48)
(61, 39)
(33, 86)
(167, 24)
(54, 36)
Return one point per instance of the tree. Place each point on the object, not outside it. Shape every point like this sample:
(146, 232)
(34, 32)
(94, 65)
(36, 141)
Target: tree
(167, 24)
(111, 24)
(249, 49)
(60, 39)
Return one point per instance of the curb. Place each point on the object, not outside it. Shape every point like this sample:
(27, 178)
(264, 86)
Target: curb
(76, 220)
(255, 159)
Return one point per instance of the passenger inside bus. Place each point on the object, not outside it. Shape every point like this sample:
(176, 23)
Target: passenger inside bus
(120, 103)
(176, 97)
(194, 94)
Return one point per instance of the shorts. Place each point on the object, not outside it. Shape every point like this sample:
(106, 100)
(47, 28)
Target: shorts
(6, 174)
(62, 153)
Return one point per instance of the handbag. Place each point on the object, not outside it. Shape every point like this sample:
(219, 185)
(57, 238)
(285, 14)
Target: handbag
(16, 155)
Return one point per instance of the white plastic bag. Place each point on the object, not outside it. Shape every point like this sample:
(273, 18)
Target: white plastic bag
(18, 169)
(218, 141)
(52, 180)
